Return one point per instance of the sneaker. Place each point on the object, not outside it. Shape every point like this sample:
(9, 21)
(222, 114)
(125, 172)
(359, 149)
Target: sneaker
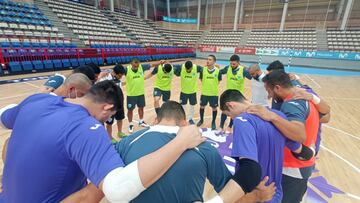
(121, 135)
(143, 124)
(199, 123)
(191, 122)
(131, 128)
(113, 141)
(213, 126)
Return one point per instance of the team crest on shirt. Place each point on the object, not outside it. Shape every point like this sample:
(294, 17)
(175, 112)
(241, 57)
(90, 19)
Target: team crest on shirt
(96, 126)
(295, 103)
(242, 119)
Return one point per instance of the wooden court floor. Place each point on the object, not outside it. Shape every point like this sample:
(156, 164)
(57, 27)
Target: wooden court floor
(339, 157)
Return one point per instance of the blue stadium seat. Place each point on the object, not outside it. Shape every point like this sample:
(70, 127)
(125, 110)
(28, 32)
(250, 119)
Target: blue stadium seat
(81, 61)
(27, 65)
(87, 61)
(100, 61)
(38, 65)
(16, 44)
(5, 44)
(66, 63)
(48, 64)
(74, 62)
(57, 64)
(94, 60)
(15, 67)
(109, 61)
(26, 44)
(119, 59)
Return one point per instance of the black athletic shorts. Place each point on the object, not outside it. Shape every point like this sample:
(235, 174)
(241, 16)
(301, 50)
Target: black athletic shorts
(165, 94)
(119, 115)
(293, 189)
(133, 101)
(212, 100)
(184, 98)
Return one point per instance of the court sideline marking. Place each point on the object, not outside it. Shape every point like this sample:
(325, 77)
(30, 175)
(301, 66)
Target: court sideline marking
(341, 158)
(341, 131)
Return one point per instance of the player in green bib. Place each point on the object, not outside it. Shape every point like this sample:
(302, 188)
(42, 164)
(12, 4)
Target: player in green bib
(188, 73)
(164, 73)
(235, 74)
(135, 91)
(210, 78)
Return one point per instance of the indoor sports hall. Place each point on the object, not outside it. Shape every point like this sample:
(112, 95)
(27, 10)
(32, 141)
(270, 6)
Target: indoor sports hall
(318, 41)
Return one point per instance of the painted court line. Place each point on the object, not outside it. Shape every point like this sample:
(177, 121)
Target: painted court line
(341, 158)
(31, 84)
(353, 196)
(317, 84)
(339, 98)
(343, 132)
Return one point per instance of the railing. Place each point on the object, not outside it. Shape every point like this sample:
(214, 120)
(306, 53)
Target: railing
(30, 54)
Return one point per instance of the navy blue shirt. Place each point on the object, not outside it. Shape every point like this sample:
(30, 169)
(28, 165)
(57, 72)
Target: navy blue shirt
(277, 104)
(185, 180)
(55, 146)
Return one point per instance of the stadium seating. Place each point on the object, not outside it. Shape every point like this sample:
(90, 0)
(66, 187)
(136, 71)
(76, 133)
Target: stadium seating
(87, 22)
(182, 37)
(24, 25)
(348, 40)
(223, 38)
(140, 29)
(294, 39)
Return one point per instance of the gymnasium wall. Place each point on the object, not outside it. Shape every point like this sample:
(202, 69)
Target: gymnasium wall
(318, 63)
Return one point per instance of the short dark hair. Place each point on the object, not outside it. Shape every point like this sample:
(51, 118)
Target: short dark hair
(107, 92)
(95, 68)
(135, 59)
(235, 58)
(275, 65)
(171, 110)
(86, 70)
(188, 64)
(119, 69)
(167, 68)
(278, 77)
(230, 96)
(212, 56)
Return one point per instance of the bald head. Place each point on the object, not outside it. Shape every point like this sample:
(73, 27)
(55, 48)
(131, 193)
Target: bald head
(76, 85)
(255, 71)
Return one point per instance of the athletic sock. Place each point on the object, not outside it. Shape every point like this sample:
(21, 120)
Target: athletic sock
(214, 114)
(191, 112)
(157, 110)
(222, 120)
(202, 111)
(184, 107)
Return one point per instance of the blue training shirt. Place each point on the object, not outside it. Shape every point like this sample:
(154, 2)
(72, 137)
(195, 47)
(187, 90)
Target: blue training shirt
(54, 147)
(260, 141)
(185, 180)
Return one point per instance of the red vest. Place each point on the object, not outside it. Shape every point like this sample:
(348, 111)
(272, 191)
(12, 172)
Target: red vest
(311, 127)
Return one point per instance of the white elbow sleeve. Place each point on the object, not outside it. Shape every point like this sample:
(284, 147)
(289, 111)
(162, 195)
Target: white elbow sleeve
(123, 184)
(216, 199)
(2, 110)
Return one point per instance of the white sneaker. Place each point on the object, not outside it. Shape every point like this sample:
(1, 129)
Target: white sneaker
(131, 128)
(143, 124)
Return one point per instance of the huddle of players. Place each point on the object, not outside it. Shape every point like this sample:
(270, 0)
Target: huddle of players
(295, 121)
(254, 161)
(298, 104)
